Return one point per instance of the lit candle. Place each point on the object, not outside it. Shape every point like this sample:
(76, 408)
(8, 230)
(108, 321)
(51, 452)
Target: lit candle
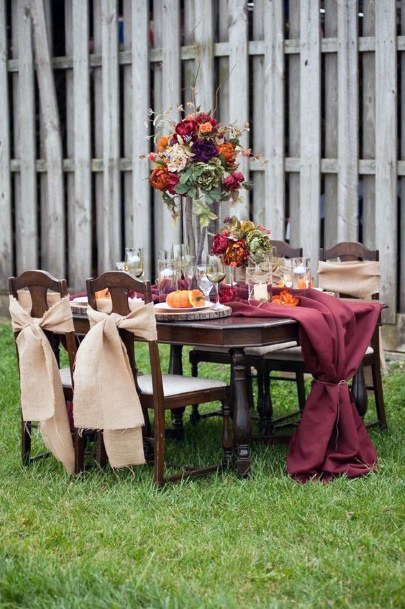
(260, 291)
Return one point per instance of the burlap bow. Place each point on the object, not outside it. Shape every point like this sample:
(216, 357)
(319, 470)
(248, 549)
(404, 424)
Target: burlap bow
(105, 394)
(42, 396)
(357, 279)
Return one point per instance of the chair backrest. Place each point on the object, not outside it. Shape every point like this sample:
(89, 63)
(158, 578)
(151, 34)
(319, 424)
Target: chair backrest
(349, 251)
(120, 286)
(285, 250)
(38, 289)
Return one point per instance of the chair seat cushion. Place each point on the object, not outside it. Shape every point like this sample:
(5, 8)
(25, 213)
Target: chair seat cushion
(295, 354)
(66, 377)
(261, 351)
(175, 384)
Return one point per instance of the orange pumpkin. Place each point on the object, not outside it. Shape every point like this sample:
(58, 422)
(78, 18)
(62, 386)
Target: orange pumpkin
(181, 299)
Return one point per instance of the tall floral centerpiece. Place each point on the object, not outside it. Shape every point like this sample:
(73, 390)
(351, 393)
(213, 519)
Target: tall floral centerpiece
(197, 161)
(241, 241)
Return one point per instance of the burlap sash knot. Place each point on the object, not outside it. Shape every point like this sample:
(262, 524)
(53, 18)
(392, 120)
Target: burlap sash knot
(105, 395)
(42, 396)
(354, 278)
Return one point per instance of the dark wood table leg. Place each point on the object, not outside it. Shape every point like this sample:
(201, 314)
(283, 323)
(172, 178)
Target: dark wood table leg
(242, 425)
(176, 367)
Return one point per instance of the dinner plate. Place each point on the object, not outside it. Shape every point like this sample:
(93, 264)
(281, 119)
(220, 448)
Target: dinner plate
(80, 300)
(165, 307)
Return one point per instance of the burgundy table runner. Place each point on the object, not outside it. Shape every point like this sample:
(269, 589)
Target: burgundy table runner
(331, 438)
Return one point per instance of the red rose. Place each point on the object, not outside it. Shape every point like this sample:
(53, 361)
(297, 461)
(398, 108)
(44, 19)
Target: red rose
(220, 243)
(206, 118)
(187, 128)
(227, 294)
(173, 180)
(239, 176)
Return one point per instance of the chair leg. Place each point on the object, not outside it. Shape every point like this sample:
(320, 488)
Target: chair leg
(101, 455)
(79, 444)
(267, 415)
(301, 390)
(159, 447)
(25, 442)
(195, 415)
(379, 395)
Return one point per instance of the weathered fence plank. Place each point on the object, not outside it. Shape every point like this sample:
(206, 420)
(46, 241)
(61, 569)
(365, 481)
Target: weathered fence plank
(238, 89)
(110, 221)
(368, 126)
(258, 177)
(6, 262)
(80, 230)
(293, 111)
(329, 208)
(141, 227)
(170, 95)
(348, 122)
(55, 219)
(274, 128)
(26, 199)
(310, 130)
(386, 151)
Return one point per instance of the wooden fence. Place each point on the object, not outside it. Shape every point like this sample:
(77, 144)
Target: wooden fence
(318, 82)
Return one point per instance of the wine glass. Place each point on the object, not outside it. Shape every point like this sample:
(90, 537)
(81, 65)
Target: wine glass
(215, 269)
(204, 283)
(286, 272)
(134, 260)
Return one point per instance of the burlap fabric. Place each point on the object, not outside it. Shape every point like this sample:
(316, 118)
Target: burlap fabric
(42, 396)
(357, 279)
(105, 395)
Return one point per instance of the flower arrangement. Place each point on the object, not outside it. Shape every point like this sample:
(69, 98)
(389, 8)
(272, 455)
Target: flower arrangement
(197, 159)
(240, 241)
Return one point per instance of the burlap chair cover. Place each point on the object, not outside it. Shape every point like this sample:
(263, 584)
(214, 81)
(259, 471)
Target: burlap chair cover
(42, 396)
(105, 394)
(357, 279)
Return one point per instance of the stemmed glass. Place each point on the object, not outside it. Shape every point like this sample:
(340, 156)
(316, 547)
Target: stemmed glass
(134, 260)
(204, 283)
(215, 269)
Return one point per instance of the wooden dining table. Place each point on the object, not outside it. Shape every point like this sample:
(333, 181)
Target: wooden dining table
(234, 334)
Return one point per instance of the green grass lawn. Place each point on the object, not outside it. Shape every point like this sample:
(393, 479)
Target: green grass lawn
(110, 540)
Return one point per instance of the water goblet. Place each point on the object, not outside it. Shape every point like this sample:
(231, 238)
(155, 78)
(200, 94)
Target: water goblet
(203, 282)
(134, 260)
(215, 269)
(167, 278)
(121, 265)
(286, 272)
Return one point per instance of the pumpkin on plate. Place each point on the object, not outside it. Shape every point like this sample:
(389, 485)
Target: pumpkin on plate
(182, 299)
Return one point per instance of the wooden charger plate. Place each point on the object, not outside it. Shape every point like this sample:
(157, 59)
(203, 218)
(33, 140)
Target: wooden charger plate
(205, 313)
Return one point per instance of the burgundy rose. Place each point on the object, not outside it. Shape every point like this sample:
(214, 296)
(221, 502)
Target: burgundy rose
(233, 181)
(206, 118)
(220, 243)
(187, 128)
(172, 181)
(227, 294)
(204, 150)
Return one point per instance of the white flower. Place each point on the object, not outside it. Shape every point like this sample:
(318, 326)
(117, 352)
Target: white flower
(177, 157)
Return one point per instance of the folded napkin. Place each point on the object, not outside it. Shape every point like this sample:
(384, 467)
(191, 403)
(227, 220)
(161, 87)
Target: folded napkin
(331, 438)
(42, 397)
(105, 396)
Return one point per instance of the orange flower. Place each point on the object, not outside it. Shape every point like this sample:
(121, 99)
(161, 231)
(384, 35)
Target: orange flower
(162, 144)
(228, 152)
(286, 299)
(159, 178)
(206, 128)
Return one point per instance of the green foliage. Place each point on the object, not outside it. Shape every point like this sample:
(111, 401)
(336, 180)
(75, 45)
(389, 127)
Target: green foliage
(110, 540)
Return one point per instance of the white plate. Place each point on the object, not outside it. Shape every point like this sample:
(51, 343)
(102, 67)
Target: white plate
(165, 307)
(80, 300)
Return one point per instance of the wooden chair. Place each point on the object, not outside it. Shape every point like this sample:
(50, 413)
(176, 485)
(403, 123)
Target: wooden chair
(291, 360)
(37, 289)
(158, 392)
(254, 357)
